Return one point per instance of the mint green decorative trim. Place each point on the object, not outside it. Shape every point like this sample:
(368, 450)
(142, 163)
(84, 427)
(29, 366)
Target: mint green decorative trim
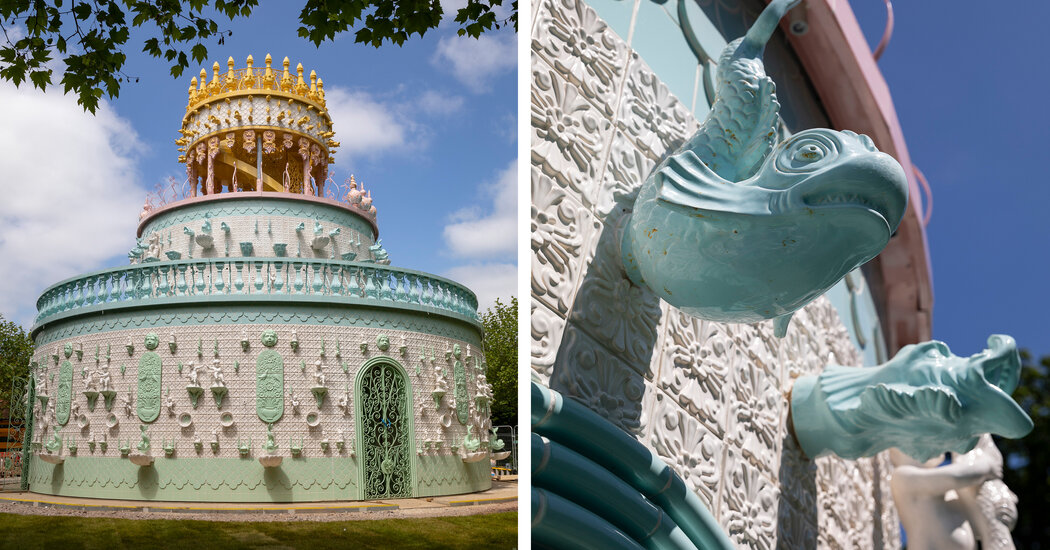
(149, 386)
(462, 399)
(269, 386)
(199, 479)
(64, 399)
(595, 438)
(291, 313)
(385, 429)
(256, 280)
(263, 208)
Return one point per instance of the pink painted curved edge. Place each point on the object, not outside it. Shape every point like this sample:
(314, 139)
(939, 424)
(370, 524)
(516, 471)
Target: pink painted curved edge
(839, 62)
(257, 195)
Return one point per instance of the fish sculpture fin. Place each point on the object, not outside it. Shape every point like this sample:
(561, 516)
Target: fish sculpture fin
(780, 325)
(685, 180)
(908, 402)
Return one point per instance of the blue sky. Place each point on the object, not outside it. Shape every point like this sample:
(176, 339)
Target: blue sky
(969, 81)
(429, 128)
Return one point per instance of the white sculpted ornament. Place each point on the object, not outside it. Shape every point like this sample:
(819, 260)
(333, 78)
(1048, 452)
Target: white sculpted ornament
(216, 375)
(194, 373)
(952, 506)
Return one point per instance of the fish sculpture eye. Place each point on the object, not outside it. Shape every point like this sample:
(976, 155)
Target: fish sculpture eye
(807, 152)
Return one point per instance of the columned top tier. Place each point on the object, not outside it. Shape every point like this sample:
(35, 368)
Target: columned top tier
(257, 129)
(258, 224)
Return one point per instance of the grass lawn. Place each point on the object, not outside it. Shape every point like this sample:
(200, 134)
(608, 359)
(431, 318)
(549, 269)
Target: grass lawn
(19, 532)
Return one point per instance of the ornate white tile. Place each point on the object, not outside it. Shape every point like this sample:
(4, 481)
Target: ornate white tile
(547, 328)
(755, 408)
(580, 46)
(625, 171)
(653, 118)
(694, 368)
(690, 448)
(568, 132)
(622, 316)
(561, 229)
(749, 504)
(592, 375)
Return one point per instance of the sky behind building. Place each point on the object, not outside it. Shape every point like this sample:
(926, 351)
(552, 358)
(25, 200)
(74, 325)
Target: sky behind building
(429, 128)
(969, 83)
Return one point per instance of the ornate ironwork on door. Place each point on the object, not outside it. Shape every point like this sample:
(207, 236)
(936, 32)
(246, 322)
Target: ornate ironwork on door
(385, 432)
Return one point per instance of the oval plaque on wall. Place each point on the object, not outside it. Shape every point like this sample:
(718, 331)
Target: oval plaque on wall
(149, 386)
(65, 392)
(269, 386)
(462, 400)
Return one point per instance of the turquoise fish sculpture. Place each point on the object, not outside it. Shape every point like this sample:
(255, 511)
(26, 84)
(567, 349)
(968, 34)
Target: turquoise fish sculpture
(735, 227)
(925, 401)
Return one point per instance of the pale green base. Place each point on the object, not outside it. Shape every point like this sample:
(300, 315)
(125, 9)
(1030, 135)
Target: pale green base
(193, 479)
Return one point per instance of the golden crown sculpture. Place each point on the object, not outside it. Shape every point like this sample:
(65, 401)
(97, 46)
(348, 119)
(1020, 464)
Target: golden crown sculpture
(257, 129)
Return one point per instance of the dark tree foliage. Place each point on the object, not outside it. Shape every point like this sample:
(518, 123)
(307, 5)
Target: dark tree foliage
(16, 350)
(1027, 470)
(90, 36)
(501, 353)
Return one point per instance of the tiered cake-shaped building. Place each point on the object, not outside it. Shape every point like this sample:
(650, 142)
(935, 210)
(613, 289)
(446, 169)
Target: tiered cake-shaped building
(259, 347)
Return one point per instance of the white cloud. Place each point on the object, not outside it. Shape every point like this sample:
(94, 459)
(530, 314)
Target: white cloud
(364, 125)
(486, 235)
(474, 234)
(434, 103)
(473, 61)
(488, 281)
(70, 201)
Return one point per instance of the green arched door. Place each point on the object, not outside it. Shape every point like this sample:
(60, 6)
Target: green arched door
(385, 431)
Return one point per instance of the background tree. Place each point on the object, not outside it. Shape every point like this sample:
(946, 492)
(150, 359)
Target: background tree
(501, 353)
(1027, 470)
(16, 350)
(90, 37)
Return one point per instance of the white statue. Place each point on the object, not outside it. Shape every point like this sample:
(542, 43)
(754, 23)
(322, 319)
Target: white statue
(294, 401)
(194, 374)
(319, 376)
(103, 378)
(216, 374)
(952, 506)
(170, 405)
(91, 384)
(153, 251)
(127, 405)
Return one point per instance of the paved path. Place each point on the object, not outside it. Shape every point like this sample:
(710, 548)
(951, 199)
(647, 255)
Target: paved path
(502, 496)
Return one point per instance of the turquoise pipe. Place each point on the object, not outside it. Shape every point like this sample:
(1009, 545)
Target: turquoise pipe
(558, 523)
(573, 476)
(592, 436)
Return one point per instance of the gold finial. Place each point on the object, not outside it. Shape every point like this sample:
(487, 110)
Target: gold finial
(204, 81)
(193, 89)
(214, 85)
(320, 91)
(249, 75)
(268, 75)
(313, 84)
(286, 78)
(230, 77)
(300, 84)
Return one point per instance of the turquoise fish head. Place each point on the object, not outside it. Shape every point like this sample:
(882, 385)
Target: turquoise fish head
(927, 400)
(823, 203)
